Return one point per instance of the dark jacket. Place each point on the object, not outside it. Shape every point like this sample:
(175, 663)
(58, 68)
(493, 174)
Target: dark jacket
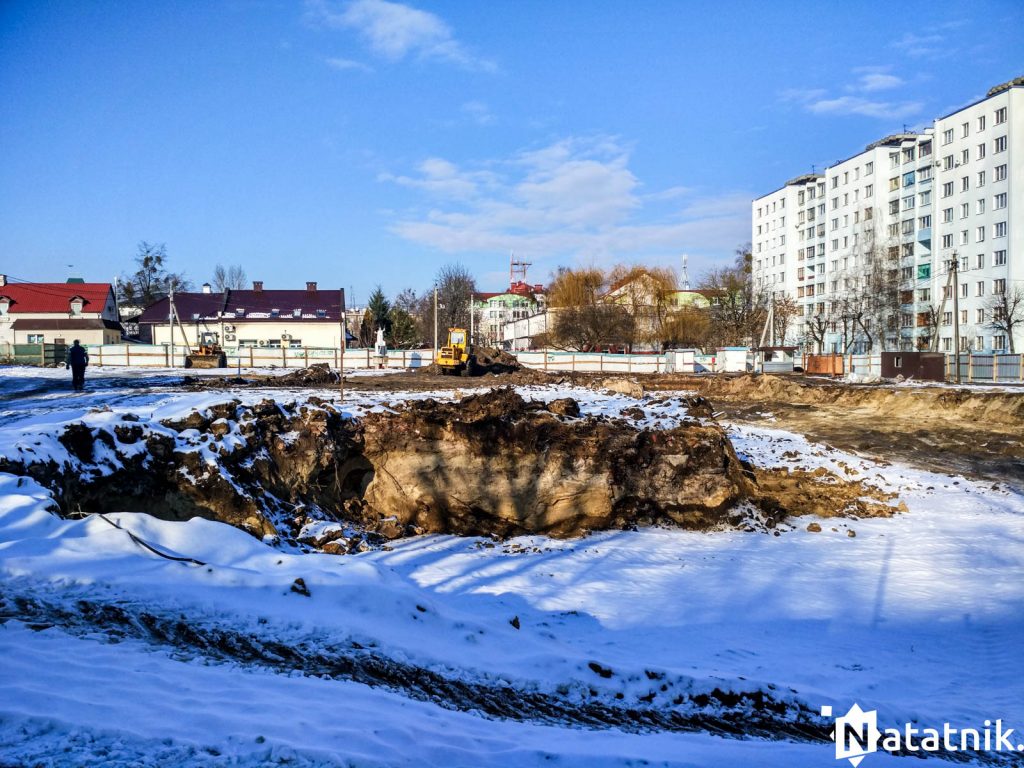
(77, 356)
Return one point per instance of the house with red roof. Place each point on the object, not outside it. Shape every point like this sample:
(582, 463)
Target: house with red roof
(259, 317)
(58, 313)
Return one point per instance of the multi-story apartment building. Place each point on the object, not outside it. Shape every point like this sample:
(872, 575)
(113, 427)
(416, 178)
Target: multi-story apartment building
(872, 270)
(979, 213)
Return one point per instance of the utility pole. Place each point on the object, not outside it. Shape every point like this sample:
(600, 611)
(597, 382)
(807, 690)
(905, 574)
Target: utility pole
(170, 321)
(344, 340)
(954, 269)
(471, 313)
(435, 323)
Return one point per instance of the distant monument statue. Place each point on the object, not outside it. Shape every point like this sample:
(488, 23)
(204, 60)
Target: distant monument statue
(382, 348)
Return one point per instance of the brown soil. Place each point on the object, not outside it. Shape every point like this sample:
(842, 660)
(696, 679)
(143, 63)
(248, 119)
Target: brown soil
(966, 431)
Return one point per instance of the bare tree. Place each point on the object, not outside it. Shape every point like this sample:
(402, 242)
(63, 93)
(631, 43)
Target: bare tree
(151, 281)
(736, 314)
(232, 277)
(815, 330)
(582, 319)
(1006, 311)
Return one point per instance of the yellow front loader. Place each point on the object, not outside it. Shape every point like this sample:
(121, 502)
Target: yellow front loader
(456, 357)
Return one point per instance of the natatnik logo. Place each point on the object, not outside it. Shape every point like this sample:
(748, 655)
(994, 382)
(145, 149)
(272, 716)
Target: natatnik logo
(856, 735)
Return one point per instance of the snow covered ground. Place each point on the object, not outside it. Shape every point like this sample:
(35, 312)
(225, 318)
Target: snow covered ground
(918, 616)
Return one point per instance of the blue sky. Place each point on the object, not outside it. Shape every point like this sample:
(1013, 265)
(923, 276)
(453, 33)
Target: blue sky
(366, 142)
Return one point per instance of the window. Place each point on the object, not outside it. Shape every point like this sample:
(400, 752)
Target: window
(907, 226)
(979, 207)
(979, 288)
(925, 149)
(979, 235)
(76, 307)
(963, 237)
(965, 183)
(35, 338)
(924, 222)
(999, 258)
(979, 342)
(894, 207)
(947, 163)
(965, 130)
(999, 201)
(869, 168)
(835, 182)
(947, 136)
(1000, 115)
(999, 286)
(894, 183)
(963, 295)
(869, 190)
(999, 343)
(924, 174)
(965, 210)
(925, 198)
(965, 156)
(947, 241)
(999, 145)
(894, 230)
(1001, 173)
(947, 318)
(981, 151)
(979, 316)
(894, 159)
(947, 189)
(908, 154)
(999, 229)
(979, 261)
(908, 179)
(981, 178)
(981, 123)
(947, 215)
(924, 295)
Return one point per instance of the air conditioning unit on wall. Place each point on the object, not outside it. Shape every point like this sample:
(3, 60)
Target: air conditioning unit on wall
(229, 329)
(286, 337)
(229, 337)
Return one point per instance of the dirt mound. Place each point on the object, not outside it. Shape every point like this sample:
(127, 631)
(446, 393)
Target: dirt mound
(992, 408)
(490, 360)
(316, 375)
(495, 463)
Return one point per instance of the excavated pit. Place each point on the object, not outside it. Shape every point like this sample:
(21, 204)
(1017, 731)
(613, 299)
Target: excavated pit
(491, 464)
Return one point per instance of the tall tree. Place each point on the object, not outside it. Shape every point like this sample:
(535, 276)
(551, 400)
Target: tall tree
(151, 280)
(736, 315)
(455, 288)
(582, 319)
(232, 277)
(380, 311)
(1006, 313)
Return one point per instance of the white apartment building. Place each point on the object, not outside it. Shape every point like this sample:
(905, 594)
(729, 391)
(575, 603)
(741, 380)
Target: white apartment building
(909, 201)
(979, 213)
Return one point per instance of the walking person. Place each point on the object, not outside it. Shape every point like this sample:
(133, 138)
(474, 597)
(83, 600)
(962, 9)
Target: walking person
(77, 359)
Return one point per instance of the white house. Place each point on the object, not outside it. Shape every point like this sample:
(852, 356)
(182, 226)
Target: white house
(58, 313)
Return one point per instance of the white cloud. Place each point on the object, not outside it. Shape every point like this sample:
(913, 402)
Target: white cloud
(877, 81)
(930, 44)
(855, 105)
(576, 198)
(479, 112)
(395, 31)
(347, 64)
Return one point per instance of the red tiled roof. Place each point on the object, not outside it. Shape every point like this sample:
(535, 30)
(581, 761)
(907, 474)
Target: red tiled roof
(254, 305)
(55, 297)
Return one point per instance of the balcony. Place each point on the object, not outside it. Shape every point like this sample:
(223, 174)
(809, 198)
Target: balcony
(924, 234)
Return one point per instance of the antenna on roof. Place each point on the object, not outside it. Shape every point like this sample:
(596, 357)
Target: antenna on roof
(516, 269)
(685, 276)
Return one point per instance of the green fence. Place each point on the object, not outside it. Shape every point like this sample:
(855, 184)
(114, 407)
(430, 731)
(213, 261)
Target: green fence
(34, 354)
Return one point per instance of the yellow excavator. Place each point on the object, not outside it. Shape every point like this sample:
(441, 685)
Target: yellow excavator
(456, 357)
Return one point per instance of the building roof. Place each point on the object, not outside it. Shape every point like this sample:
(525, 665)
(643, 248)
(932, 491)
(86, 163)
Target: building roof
(54, 297)
(250, 306)
(64, 324)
